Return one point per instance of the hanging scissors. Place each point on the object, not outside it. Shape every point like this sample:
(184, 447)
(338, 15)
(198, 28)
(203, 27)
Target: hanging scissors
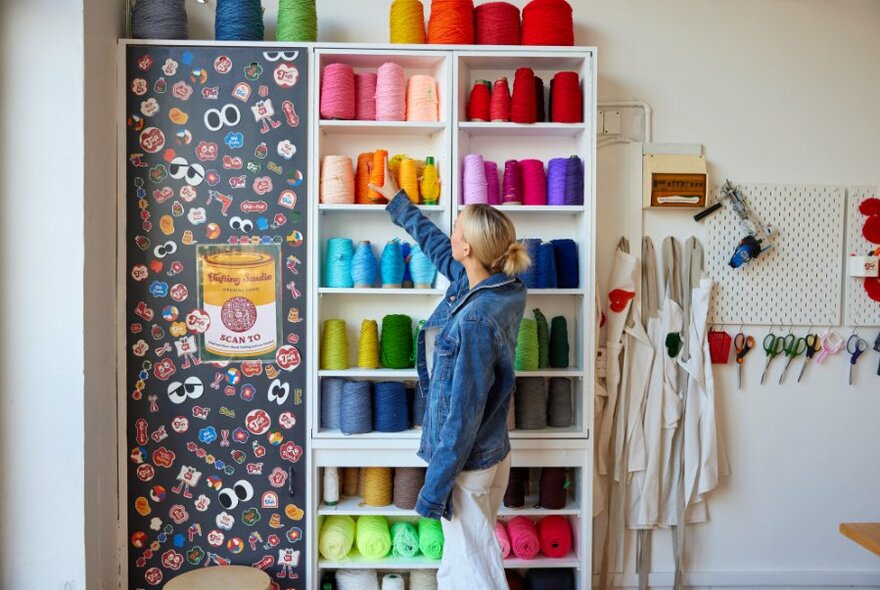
(832, 343)
(793, 348)
(773, 346)
(814, 345)
(743, 345)
(855, 346)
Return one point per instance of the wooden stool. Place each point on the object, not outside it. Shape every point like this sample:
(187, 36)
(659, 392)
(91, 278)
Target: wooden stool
(239, 577)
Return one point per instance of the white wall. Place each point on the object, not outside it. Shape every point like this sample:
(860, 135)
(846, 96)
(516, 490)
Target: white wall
(778, 91)
(41, 295)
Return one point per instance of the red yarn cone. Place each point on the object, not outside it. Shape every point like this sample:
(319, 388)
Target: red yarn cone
(522, 104)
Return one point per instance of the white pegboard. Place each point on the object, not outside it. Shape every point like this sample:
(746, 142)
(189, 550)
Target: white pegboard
(798, 282)
(861, 310)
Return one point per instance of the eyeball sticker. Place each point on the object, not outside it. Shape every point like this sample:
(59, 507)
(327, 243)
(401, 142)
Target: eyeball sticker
(216, 144)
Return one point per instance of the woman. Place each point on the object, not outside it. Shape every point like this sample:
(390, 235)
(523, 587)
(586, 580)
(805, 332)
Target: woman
(465, 366)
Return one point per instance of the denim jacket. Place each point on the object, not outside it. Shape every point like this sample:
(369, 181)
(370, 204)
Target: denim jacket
(472, 378)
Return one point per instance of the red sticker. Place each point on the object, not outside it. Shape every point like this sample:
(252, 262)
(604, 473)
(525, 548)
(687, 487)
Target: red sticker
(153, 576)
(146, 472)
(258, 422)
(163, 457)
(288, 358)
(619, 299)
(152, 140)
(291, 451)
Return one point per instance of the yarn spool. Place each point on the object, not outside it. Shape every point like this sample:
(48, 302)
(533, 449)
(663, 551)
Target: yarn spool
(523, 537)
(377, 176)
(567, 266)
(390, 93)
(567, 105)
(574, 181)
(515, 495)
(337, 181)
(356, 416)
(159, 19)
(560, 413)
(408, 482)
(351, 477)
(552, 488)
(338, 263)
(396, 342)
(238, 20)
(451, 22)
(331, 486)
(534, 182)
(493, 183)
(559, 343)
(422, 101)
(297, 21)
(550, 579)
(543, 339)
(372, 537)
(430, 538)
(422, 269)
(368, 345)
(511, 186)
(331, 402)
(545, 274)
(392, 265)
(554, 534)
(515, 581)
(392, 582)
(497, 23)
(556, 171)
(404, 540)
(407, 22)
(364, 267)
(337, 537)
(405, 252)
(362, 179)
(540, 111)
(529, 277)
(337, 92)
(499, 104)
(531, 403)
(474, 185)
(547, 22)
(522, 104)
(378, 485)
(478, 106)
(357, 580)
(361, 479)
(503, 539)
(390, 408)
(408, 179)
(527, 354)
(334, 346)
(365, 96)
(423, 580)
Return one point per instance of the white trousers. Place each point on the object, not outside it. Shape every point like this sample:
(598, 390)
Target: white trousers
(471, 554)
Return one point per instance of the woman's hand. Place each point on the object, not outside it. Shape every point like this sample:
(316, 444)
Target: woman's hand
(389, 188)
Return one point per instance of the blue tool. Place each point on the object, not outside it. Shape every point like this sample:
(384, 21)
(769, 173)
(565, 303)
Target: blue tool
(855, 346)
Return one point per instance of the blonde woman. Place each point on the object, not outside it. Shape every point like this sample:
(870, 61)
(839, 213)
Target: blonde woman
(465, 366)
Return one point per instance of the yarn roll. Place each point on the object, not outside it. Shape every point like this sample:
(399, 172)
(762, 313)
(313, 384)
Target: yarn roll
(337, 180)
(474, 184)
(574, 181)
(552, 488)
(422, 269)
(337, 92)
(364, 267)
(408, 179)
(567, 265)
(331, 402)
(556, 179)
(559, 343)
(351, 479)
(497, 23)
(238, 20)
(559, 403)
(523, 537)
(365, 96)
(392, 265)
(396, 341)
(390, 93)
(540, 111)
(527, 353)
(499, 105)
(377, 177)
(493, 186)
(530, 276)
(407, 22)
(422, 101)
(515, 494)
(550, 579)
(368, 345)
(547, 22)
(390, 408)
(478, 106)
(430, 538)
(334, 346)
(522, 104)
(338, 263)
(297, 21)
(567, 105)
(337, 537)
(159, 19)
(503, 539)
(373, 539)
(451, 22)
(545, 274)
(554, 534)
(356, 416)
(511, 186)
(359, 579)
(531, 403)
(404, 540)
(392, 582)
(534, 182)
(378, 486)
(543, 339)
(408, 482)
(423, 580)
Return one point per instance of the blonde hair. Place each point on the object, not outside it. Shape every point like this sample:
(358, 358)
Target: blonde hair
(492, 236)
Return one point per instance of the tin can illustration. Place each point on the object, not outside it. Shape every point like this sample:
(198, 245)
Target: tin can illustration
(239, 289)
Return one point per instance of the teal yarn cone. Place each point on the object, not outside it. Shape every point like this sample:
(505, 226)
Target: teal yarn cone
(337, 265)
(364, 267)
(392, 265)
(421, 268)
(297, 20)
(527, 353)
(396, 343)
(543, 339)
(559, 343)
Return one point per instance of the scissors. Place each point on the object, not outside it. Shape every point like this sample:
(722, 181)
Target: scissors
(855, 346)
(832, 343)
(793, 348)
(743, 345)
(773, 346)
(814, 345)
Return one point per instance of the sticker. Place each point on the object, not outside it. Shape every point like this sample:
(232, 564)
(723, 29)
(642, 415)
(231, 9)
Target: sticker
(253, 71)
(222, 65)
(172, 560)
(286, 149)
(258, 422)
(285, 75)
(152, 140)
(288, 358)
(226, 116)
(150, 107)
(139, 87)
(169, 68)
(181, 90)
(287, 199)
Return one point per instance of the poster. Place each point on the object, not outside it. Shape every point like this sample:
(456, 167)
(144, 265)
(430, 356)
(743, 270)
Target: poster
(216, 151)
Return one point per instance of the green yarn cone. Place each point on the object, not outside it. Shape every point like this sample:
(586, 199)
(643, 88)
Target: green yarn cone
(559, 343)
(297, 20)
(543, 339)
(527, 353)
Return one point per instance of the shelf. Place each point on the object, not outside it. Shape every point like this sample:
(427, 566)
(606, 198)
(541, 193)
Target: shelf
(569, 560)
(409, 439)
(539, 209)
(531, 292)
(357, 561)
(381, 127)
(489, 129)
(378, 291)
(413, 434)
(354, 506)
(324, 207)
(373, 373)
(570, 372)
